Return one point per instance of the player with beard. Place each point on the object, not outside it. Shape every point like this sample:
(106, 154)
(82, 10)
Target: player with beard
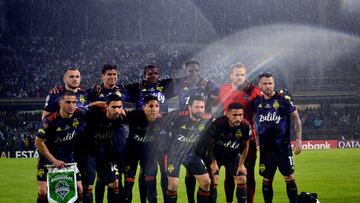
(101, 126)
(240, 90)
(228, 142)
(71, 81)
(194, 85)
(98, 92)
(186, 132)
(273, 120)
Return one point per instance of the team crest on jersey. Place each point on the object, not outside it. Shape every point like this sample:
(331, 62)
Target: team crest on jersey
(184, 127)
(262, 168)
(171, 168)
(238, 134)
(276, 104)
(160, 88)
(201, 127)
(41, 131)
(41, 172)
(75, 123)
(118, 93)
(82, 99)
(58, 129)
(144, 90)
(260, 106)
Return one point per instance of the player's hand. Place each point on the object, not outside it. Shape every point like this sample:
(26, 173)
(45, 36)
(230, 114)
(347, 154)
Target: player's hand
(214, 168)
(56, 90)
(298, 146)
(58, 163)
(242, 169)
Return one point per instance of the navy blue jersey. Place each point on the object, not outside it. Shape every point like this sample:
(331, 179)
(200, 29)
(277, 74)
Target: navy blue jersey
(185, 90)
(52, 100)
(273, 121)
(185, 135)
(163, 90)
(99, 93)
(141, 131)
(60, 135)
(101, 132)
(228, 141)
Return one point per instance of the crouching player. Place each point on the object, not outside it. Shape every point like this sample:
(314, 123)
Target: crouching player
(228, 142)
(56, 140)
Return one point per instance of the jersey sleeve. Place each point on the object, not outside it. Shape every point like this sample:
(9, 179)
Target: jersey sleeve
(43, 131)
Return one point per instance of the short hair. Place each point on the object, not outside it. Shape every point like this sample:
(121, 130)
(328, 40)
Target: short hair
(195, 98)
(149, 67)
(67, 93)
(107, 67)
(70, 68)
(112, 96)
(191, 62)
(235, 106)
(149, 98)
(266, 75)
(237, 65)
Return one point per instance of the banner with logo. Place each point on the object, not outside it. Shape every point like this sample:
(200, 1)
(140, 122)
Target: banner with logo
(62, 184)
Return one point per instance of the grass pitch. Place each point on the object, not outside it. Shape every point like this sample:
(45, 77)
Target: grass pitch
(333, 174)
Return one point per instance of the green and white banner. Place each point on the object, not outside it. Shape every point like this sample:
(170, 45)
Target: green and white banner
(62, 184)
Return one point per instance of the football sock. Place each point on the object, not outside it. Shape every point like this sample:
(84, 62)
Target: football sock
(291, 190)
(241, 193)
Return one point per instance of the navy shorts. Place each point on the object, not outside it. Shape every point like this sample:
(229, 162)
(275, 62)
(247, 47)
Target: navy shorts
(231, 162)
(136, 154)
(97, 165)
(270, 160)
(194, 164)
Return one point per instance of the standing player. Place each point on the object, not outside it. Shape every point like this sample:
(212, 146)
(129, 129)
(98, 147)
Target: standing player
(228, 142)
(144, 127)
(163, 90)
(109, 75)
(186, 132)
(71, 81)
(101, 127)
(56, 139)
(190, 85)
(273, 115)
(151, 85)
(242, 91)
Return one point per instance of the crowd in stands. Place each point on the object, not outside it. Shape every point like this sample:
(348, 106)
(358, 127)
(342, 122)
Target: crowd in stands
(17, 130)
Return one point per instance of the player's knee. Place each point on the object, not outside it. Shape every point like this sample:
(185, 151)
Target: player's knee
(205, 183)
(241, 179)
(114, 184)
(173, 184)
(89, 190)
(267, 181)
(289, 178)
(42, 188)
(215, 180)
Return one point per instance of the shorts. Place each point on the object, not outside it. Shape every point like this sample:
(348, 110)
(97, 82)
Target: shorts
(231, 162)
(270, 160)
(97, 165)
(194, 164)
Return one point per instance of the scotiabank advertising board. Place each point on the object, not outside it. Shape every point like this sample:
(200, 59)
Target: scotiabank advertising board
(329, 144)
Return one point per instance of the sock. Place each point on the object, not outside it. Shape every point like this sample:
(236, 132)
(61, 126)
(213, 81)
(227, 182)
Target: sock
(291, 190)
(213, 193)
(267, 190)
(42, 198)
(170, 196)
(129, 184)
(190, 183)
(150, 182)
(229, 185)
(113, 195)
(142, 188)
(88, 195)
(241, 192)
(99, 191)
(202, 196)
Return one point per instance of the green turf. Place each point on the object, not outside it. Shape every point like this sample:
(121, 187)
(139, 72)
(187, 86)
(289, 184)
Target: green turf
(333, 174)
